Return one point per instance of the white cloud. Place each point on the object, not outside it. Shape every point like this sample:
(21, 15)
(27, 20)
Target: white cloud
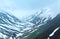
(11, 7)
(7, 5)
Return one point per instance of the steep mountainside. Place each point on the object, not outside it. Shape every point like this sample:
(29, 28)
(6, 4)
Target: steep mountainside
(45, 30)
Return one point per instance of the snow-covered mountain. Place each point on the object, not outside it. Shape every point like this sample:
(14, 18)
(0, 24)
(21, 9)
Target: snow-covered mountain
(9, 24)
(39, 19)
(44, 31)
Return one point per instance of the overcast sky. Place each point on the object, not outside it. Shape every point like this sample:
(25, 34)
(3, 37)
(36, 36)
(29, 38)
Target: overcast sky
(24, 8)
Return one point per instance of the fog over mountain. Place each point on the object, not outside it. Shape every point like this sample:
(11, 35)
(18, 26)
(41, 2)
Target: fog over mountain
(11, 25)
